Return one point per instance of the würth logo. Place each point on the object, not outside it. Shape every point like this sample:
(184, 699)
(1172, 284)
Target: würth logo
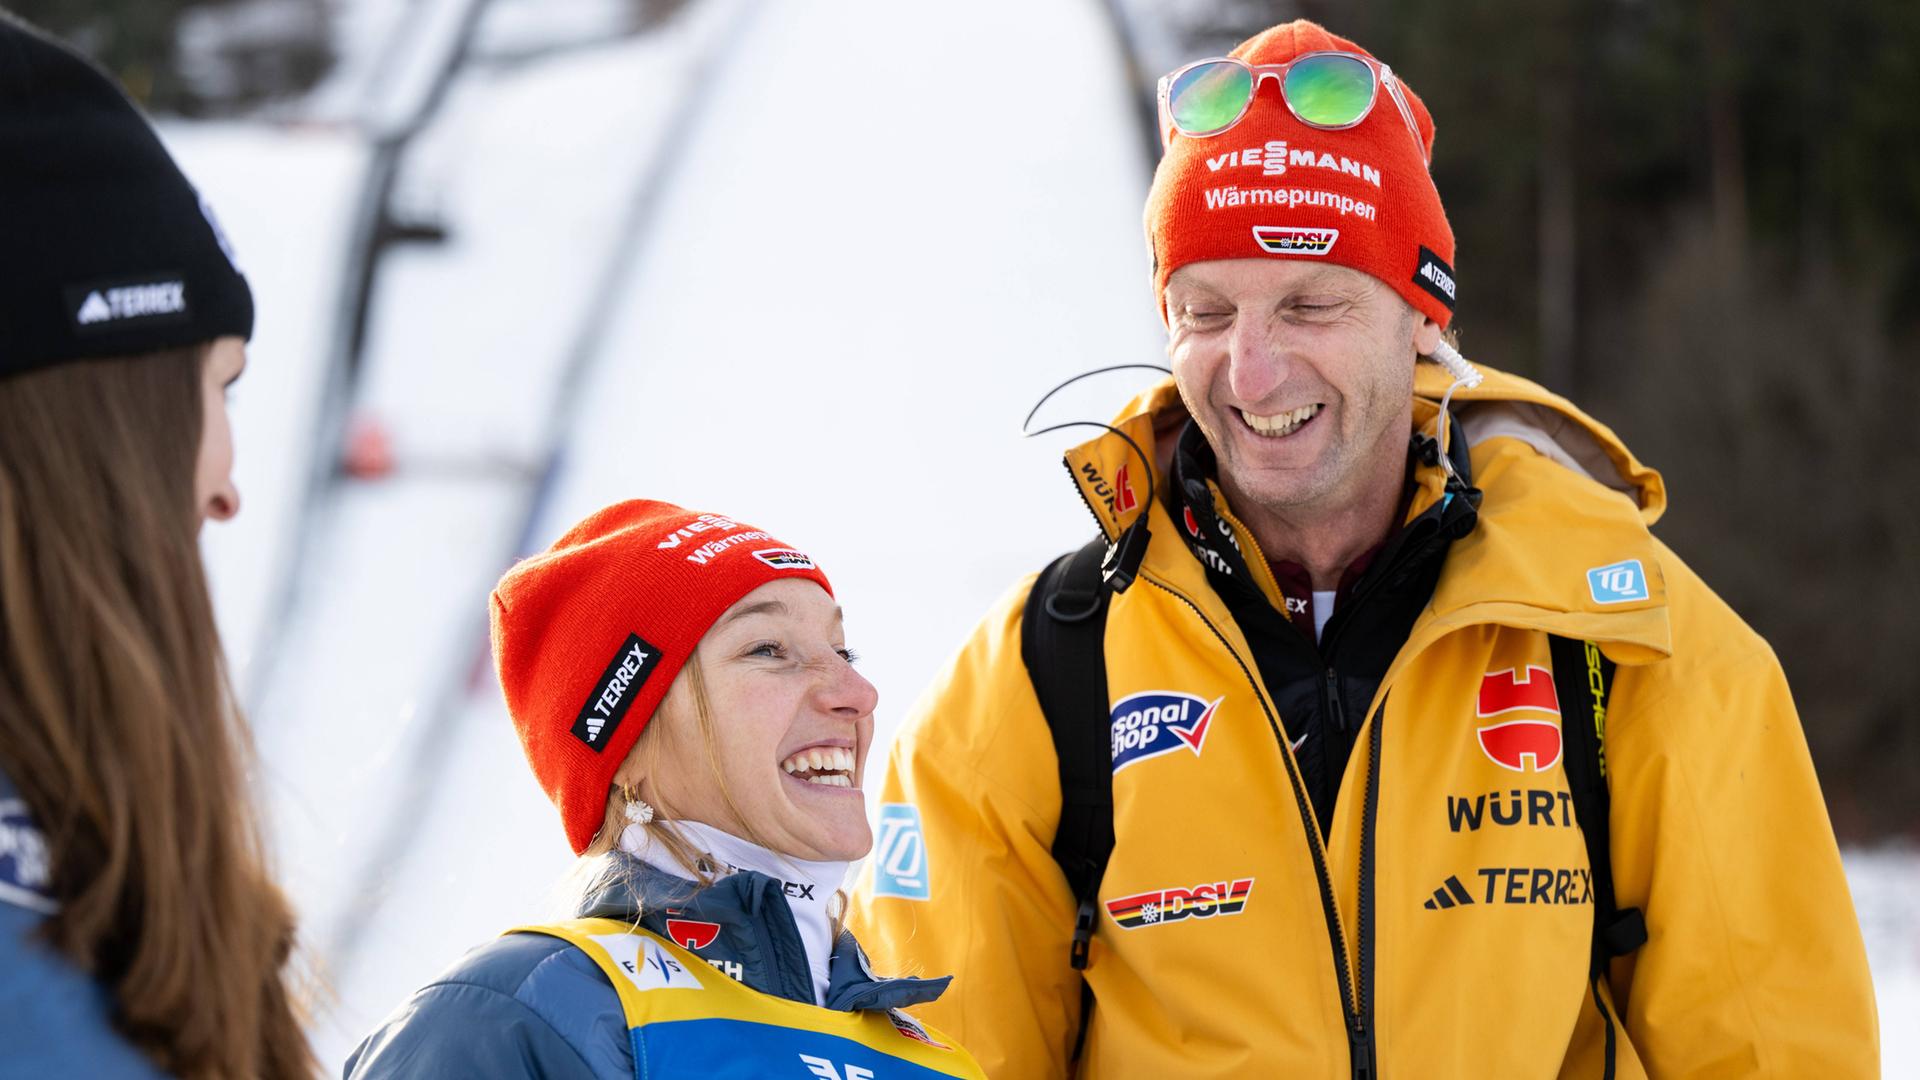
(1116, 502)
(1525, 744)
(1124, 499)
(113, 306)
(615, 691)
(692, 933)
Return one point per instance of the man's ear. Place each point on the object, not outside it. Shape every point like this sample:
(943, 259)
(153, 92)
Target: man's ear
(1426, 335)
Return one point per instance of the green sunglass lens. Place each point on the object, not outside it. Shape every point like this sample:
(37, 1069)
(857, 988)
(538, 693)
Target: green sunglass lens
(1208, 97)
(1329, 90)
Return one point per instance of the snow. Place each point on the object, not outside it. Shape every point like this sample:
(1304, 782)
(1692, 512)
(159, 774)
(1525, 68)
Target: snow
(768, 260)
(1885, 883)
(283, 197)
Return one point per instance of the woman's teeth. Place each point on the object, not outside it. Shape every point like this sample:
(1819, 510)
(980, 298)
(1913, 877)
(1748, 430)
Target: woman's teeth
(830, 766)
(1285, 423)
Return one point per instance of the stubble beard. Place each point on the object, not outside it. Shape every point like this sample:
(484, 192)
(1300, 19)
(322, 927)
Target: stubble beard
(1331, 489)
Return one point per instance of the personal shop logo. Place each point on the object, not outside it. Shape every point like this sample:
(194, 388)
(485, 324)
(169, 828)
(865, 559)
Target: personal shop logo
(611, 697)
(1155, 722)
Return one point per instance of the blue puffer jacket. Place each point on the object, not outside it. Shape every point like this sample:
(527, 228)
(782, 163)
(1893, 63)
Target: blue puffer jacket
(532, 1005)
(54, 1019)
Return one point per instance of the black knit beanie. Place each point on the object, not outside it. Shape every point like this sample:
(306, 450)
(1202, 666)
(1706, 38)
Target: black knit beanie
(105, 248)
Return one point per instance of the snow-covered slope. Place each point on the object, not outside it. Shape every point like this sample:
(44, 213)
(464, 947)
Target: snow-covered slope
(805, 262)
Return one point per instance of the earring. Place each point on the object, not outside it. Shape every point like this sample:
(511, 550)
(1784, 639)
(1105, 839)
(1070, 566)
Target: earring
(638, 812)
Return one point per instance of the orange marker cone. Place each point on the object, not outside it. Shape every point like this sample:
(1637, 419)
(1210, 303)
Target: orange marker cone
(368, 453)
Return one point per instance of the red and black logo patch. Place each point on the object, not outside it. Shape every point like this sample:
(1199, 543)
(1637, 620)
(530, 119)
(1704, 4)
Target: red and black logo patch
(1530, 742)
(1172, 905)
(692, 933)
(607, 704)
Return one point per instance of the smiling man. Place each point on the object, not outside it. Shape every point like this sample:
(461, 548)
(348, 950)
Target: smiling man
(1375, 733)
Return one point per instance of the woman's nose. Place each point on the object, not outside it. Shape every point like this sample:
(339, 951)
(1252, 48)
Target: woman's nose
(848, 693)
(222, 503)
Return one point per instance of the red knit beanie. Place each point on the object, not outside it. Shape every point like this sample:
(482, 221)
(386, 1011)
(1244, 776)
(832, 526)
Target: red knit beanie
(588, 635)
(1273, 187)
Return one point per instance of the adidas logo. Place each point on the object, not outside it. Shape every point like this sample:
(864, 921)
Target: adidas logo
(144, 301)
(95, 309)
(1450, 895)
(615, 691)
(133, 302)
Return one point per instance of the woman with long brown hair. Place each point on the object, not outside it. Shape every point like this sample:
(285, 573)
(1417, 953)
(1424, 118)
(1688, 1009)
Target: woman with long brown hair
(140, 933)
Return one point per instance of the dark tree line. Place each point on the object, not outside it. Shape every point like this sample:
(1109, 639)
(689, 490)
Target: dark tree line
(1702, 219)
(196, 57)
(1699, 217)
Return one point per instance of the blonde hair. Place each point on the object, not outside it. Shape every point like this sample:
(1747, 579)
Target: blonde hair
(688, 694)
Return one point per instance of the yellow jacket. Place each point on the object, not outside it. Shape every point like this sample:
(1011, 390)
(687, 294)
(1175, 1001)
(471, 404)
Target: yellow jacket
(1214, 958)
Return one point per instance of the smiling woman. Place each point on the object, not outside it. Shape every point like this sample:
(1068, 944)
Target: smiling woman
(784, 771)
(683, 689)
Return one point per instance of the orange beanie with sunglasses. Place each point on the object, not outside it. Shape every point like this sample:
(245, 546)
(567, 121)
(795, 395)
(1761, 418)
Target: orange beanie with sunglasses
(588, 635)
(1271, 186)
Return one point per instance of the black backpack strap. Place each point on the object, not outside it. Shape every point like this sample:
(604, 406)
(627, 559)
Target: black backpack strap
(1063, 642)
(1583, 677)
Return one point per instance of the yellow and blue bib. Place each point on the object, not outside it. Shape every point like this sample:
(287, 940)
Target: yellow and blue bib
(686, 1018)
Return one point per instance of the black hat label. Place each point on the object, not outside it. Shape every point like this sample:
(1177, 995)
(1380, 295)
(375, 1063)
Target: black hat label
(600, 717)
(1434, 275)
(126, 304)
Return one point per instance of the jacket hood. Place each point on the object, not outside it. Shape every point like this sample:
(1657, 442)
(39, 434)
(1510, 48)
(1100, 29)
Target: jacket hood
(1112, 480)
(1511, 407)
(1540, 550)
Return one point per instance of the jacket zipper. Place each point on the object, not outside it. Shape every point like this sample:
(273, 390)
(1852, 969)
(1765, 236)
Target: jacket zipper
(1357, 1009)
(1360, 1035)
(1364, 1060)
(1355, 1001)
(1336, 712)
(1360, 1018)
